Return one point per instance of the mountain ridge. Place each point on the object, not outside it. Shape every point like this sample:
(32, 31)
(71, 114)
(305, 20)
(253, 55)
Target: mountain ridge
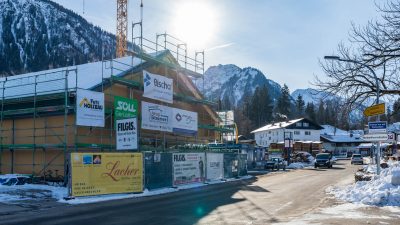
(234, 83)
(40, 34)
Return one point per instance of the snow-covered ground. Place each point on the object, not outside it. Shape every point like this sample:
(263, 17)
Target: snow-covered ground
(15, 193)
(382, 190)
(302, 165)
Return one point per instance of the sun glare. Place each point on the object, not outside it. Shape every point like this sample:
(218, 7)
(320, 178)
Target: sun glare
(195, 23)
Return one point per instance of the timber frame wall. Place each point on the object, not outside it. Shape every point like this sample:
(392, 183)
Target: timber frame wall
(38, 129)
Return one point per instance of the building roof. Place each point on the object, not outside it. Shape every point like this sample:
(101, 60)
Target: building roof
(342, 138)
(369, 145)
(280, 125)
(331, 130)
(84, 76)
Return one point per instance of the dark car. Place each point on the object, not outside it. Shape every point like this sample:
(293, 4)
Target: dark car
(323, 160)
(275, 164)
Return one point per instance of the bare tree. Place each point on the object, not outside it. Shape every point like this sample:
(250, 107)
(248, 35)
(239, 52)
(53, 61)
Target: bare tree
(375, 46)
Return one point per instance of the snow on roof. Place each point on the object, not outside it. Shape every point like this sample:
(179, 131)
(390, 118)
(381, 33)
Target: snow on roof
(277, 125)
(331, 130)
(343, 138)
(368, 145)
(395, 127)
(84, 76)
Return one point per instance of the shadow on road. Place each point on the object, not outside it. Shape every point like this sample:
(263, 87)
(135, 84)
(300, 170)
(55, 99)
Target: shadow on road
(182, 207)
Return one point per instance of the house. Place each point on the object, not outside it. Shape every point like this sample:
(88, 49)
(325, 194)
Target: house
(38, 120)
(301, 130)
(340, 142)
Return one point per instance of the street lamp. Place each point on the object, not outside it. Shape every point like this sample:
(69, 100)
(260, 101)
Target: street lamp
(337, 58)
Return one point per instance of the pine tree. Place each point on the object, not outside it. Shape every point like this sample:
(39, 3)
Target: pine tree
(310, 111)
(283, 104)
(396, 111)
(261, 107)
(322, 115)
(299, 104)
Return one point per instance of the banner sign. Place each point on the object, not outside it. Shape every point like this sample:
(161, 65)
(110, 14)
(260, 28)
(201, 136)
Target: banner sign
(157, 87)
(184, 121)
(106, 173)
(125, 108)
(156, 117)
(375, 137)
(375, 110)
(215, 166)
(227, 118)
(188, 168)
(89, 108)
(126, 134)
(377, 127)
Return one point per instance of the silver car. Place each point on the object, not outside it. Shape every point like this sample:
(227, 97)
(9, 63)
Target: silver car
(357, 159)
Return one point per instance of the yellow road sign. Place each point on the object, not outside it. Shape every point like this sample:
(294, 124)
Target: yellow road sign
(375, 110)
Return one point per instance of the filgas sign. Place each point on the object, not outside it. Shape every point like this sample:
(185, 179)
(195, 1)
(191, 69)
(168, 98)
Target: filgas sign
(157, 87)
(127, 134)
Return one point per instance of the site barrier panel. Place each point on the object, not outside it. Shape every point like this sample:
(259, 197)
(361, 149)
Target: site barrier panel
(231, 164)
(158, 170)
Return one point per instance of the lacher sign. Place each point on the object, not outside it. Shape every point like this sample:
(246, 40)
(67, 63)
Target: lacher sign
(99, 173)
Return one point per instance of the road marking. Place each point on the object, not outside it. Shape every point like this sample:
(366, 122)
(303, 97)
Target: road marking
(283, 206)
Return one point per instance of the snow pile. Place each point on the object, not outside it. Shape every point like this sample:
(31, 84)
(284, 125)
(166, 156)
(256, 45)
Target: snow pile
(302, 165)
(381, 190)
(296, 166)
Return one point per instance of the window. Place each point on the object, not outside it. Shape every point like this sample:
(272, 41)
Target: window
(307, 132)
(306, 124)
(298, 124)
(269, 138)
(296, 132)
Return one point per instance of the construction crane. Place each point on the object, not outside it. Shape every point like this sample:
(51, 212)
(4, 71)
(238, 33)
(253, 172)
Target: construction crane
(122, 27)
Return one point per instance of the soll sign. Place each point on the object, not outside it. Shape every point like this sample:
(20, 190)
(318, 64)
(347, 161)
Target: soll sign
(375, 110)
(125, 108)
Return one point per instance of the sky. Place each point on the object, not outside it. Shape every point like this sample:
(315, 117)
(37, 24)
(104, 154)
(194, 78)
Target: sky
(285, 39)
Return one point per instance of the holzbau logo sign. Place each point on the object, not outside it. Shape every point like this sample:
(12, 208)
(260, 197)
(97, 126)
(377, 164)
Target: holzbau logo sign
(157, 87)
(92, 104)
(89, 108)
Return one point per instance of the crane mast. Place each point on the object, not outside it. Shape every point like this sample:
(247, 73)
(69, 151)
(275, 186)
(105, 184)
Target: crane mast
(122, 27)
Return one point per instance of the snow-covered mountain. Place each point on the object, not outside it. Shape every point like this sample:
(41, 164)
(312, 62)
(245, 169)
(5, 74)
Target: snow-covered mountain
(313, 96)
(40, 34)
(232, 82)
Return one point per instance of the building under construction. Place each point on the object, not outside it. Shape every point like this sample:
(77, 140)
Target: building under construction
(38, 110)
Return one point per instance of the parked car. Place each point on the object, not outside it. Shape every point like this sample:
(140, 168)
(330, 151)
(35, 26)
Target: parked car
(323, 160)
(275, 163)
(357, 158)
(13, 179)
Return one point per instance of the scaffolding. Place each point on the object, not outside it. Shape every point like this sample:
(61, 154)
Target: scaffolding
(37, 119)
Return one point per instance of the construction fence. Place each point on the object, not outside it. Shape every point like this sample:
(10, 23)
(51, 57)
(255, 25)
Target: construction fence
(94, 173)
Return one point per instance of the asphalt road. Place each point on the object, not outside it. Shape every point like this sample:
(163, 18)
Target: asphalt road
(295, 197)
